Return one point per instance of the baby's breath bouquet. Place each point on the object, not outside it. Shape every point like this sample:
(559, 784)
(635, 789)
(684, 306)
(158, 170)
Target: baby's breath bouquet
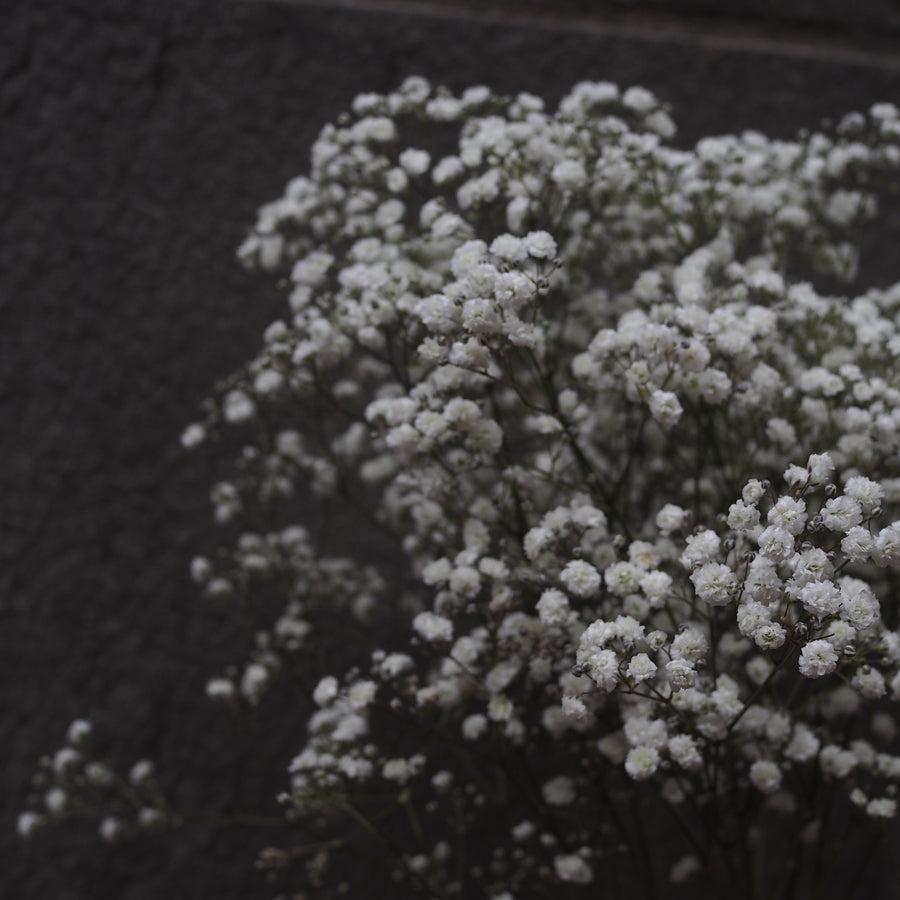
(632, 452)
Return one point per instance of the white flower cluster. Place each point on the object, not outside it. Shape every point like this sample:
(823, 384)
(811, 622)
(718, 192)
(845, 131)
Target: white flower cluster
(73, 785)
(309, 586)
(638, 460)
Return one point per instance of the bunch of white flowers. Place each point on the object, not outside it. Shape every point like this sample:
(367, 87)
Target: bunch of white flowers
(73, 784)
(640, 462)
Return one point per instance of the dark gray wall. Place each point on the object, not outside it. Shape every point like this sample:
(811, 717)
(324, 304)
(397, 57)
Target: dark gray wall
(820, 14)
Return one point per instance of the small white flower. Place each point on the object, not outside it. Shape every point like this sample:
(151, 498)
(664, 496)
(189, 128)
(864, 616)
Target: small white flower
(837, 761)
(866, 492)
(99, 774)
(415, 162)
(656, 585)
(642, 762)
(361, 694)
(859, 606)
(580, 579)
(684, 750)
(700, 548)
(743, 517)
(857, 544)
(782, 433)
(604, 668)
(882, 808)
(869, 682)
(141, 772)
(255, 679)
(553, 608)
(804, 744)
(474, 726)
(570, 867)
(715, 583)
(685, 869)
(28, 823)
(789, 514)
(539, 245)
(326, 691)
(396, 770)
(641, 667)
(500, 708)
(623, 578)
(818, 658)
(350, 728)
(769, 636)
(841, 513)
(752, 615)
(111, 828)
(887, 545)
(193, 435)
(151, 818)
(753, 492)
(66, 759)
(665, 408)
(639, 100)
(238, 407)
(570, 175)
(641, 731)
(465, 581)
(395, 664)
(670, 518)
(681, 673)
(643, 554)
(776, 543)
(765, 776)
(690, 645)
(79, 732)
(374, 128)
(220, 689)
(447, 169)
(510, 248)
(432, 627)
(575, 710)
(559, 791)
(821, 598)
(56, 800)
(267, 382)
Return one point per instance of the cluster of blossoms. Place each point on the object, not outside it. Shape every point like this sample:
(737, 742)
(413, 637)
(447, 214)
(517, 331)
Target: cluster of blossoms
(72, 784)
(304, 586)
(640, 462)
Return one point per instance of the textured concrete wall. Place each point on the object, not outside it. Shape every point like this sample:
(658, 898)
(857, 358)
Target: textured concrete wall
(137, 141)
(820, 15)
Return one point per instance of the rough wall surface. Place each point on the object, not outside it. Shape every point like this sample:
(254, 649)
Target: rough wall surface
(822, 15)
(138, 140)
